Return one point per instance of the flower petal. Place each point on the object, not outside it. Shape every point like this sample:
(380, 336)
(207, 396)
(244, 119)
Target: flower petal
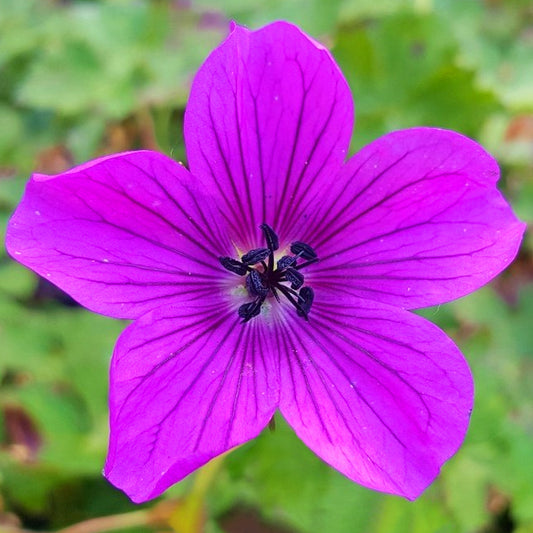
(269, 116)
(414, 220)
(121, 234)
(380, 394)
(187, 384)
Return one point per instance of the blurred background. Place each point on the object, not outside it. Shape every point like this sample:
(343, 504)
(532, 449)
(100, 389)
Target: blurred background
(83, 78)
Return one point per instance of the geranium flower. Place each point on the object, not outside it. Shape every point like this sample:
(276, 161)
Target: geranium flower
(274, 276)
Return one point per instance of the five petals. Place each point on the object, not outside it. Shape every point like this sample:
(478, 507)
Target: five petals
(413, 219)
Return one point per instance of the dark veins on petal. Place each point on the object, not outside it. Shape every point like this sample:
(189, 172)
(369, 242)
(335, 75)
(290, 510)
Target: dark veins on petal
(266, 277)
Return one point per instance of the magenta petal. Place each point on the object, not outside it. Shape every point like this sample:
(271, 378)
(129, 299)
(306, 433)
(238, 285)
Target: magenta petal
(414, 220)
(122, 234)
(380, 394)
(269, 112)
(187, 384)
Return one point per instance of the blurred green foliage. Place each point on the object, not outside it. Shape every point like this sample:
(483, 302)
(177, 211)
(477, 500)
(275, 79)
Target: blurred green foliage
(81, 78)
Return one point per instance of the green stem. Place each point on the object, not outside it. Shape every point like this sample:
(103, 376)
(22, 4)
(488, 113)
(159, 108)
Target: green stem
(189, 514)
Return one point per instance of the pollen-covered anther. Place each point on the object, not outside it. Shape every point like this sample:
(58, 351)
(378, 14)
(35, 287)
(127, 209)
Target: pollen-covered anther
(296, 278)
(303, 250)
(286, 261)
(249, 310)
(307, 295)
(255, 256)
(264, 279)
(270, 237)
(233, 265)
(256, 285)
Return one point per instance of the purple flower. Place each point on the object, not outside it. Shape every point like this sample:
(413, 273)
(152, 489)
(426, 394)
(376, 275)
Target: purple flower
(273, 275)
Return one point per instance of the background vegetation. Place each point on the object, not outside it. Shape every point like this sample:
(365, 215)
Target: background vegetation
(83, 78)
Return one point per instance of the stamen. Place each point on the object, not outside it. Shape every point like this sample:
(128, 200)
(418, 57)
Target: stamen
(307, 295)
(286, 261)
(255, 256)
(288, 294)
(273, 244)
(301, 249)
(233, 265)
(262, 279)
(296, 279)
(255, 285)
(249, 310)
(270, 237)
